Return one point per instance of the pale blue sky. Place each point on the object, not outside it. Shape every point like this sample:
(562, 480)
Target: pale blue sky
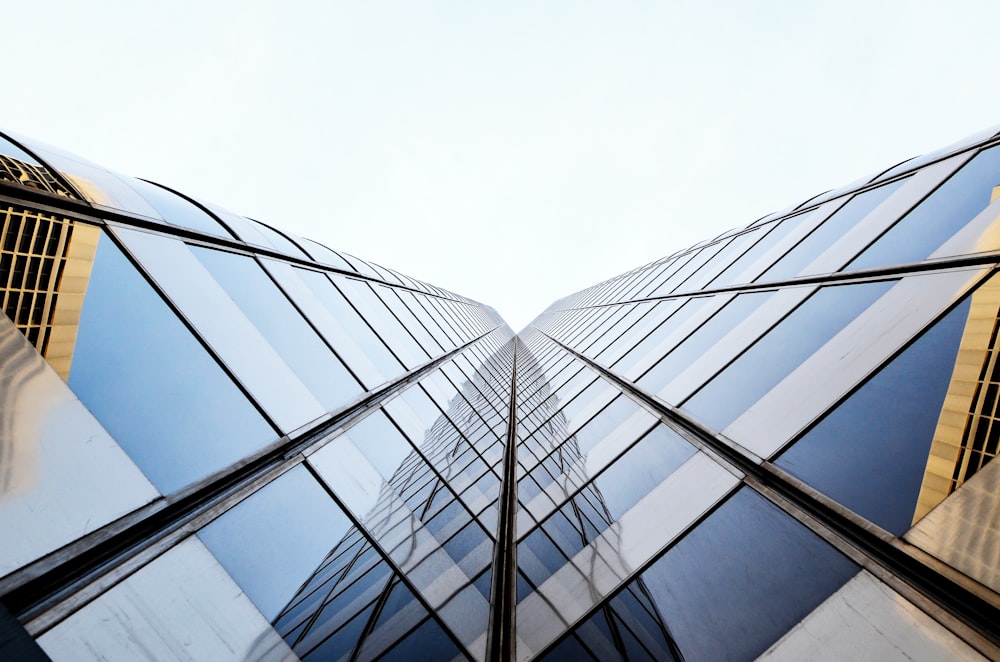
(513, 152)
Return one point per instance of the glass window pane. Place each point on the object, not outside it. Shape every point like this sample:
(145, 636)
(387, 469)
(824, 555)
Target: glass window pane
(136, 367)
(698, 342)
(275, 540)
(742, 578)
(780, 351)
(176, 210)
(870, 452)
(373, 347)
(283, 327)
(943, 213)
(642, 468)
(278, 240)
(375, 312)
(826, 234)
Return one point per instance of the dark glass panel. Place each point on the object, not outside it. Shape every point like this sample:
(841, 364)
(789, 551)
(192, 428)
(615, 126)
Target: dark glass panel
(870, 452)
(152, 385)
(943, 213)
(829, 232)
(780, 351)
(282, 325)
(342, 642)
(428, 642)
(741, 579)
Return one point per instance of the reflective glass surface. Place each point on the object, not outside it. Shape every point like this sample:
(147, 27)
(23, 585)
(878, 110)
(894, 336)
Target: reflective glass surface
(272, 542)
(278, 240)
(826, 234)
(361, 333)
(283, 327)
(939, 216)
(7, 148)
(133, 367)
(741, 579)
(707, 335)
(780, 351)
(175, 209)
(869, 453)
(374, 311)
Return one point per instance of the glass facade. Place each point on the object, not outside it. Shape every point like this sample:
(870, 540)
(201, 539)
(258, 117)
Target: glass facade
(222, 441)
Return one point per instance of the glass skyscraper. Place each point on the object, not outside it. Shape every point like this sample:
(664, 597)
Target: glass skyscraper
(220, 441)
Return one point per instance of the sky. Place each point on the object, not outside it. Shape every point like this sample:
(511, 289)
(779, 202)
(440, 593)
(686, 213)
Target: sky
(512, 152)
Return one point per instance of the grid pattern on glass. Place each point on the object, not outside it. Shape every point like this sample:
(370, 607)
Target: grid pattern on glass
(716, 604)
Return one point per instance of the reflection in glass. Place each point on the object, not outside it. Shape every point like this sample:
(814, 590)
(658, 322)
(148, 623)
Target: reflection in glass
(739, 580)
(360, 332)
(45, 265)
(967, 436)
(133, 367)
(177, 210)
(781, 350)
(272, 541)
(681, 356)
(869, 453)
(939, 216)
(281, 324)
(19, 167)
(829, 231)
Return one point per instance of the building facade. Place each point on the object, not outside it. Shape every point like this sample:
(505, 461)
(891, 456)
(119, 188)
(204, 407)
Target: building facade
(221, 441)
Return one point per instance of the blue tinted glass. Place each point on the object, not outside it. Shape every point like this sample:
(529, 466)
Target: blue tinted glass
(741, 579)
(374, 349)
(733, 250)
(829, 232)
(701, 340)
(639, 355)
(177, 210)
(604, 424)
(341, 643)
(943, 213)
(152, 385)
(775, 233)
(271, 543)
(375, 312)
(641, 469)
(282, 325)
(780, 351)
(870, 452)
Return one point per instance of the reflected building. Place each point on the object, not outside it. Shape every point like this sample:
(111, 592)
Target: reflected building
(222, 441)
